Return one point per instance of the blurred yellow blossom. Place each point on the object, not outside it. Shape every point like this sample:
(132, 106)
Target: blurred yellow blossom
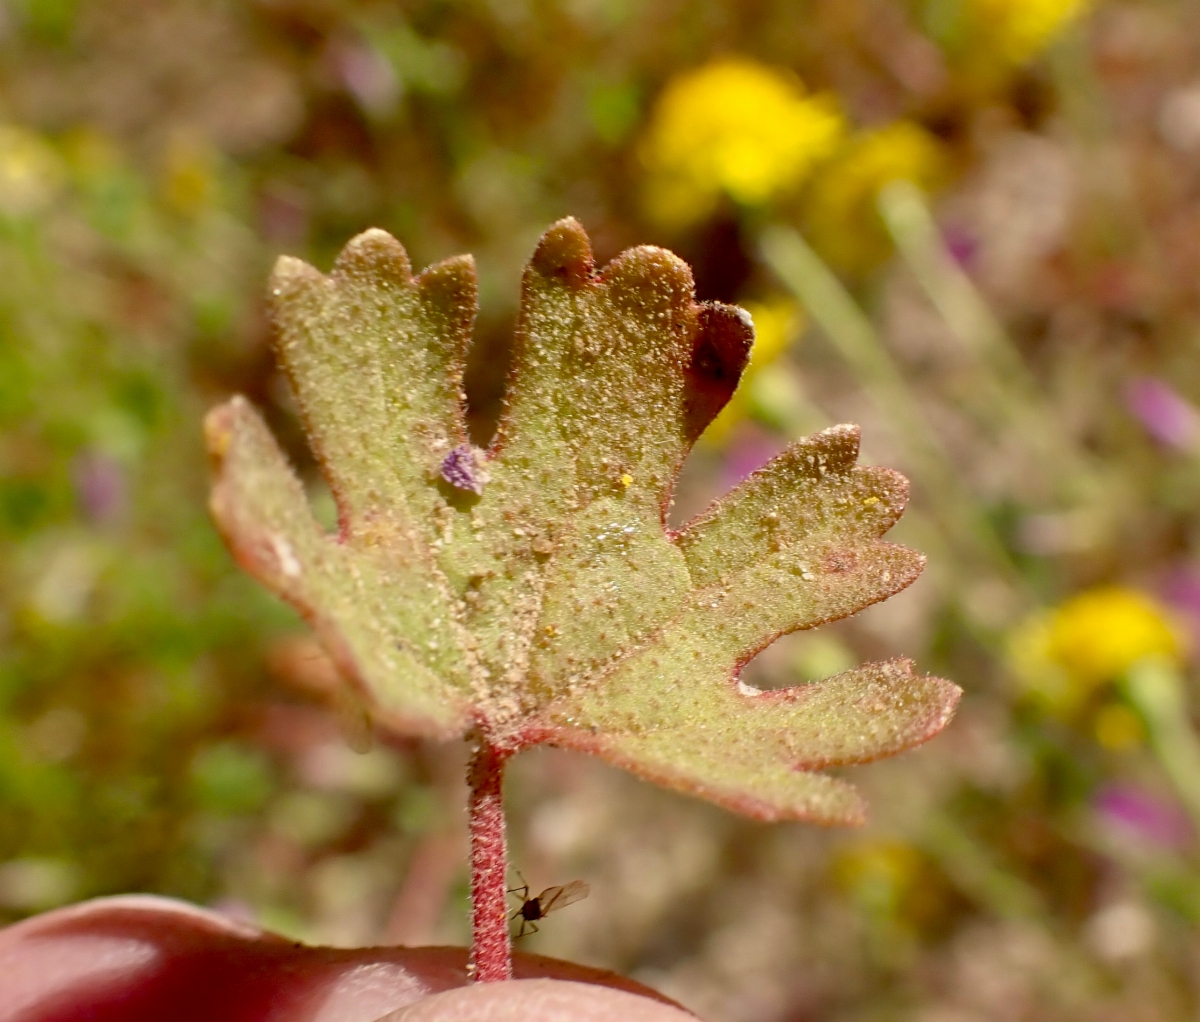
(1063, 655)
(189, 181)
(89, 152)
(776, 322)
(1118, 728)
(840, 215)
(879, 875)
(732, 127)
(1100, 634)
(30, 171)
(1017, 30)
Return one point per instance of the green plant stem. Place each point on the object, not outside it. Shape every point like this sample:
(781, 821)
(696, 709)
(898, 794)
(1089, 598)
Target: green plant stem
(491, 945)
(975, 871)
(911, 226)
(1155, 687)
(856, 340)
(1007, 392)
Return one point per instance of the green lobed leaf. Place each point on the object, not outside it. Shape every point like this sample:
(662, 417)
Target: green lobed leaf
(534, 592)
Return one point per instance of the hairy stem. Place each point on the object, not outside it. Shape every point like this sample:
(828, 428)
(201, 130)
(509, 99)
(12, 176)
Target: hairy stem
(491, 947)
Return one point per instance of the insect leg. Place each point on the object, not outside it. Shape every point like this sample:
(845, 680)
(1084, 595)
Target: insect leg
(523, 890)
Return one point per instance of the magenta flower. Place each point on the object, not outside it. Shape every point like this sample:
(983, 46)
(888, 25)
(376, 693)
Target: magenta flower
(749, 451)
(1143, 815)
(1168, 417)
(961, 245)
(101, 487)
(1180, 590)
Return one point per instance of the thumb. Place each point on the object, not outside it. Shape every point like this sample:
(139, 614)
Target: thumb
(537, 1000)
(143, 959)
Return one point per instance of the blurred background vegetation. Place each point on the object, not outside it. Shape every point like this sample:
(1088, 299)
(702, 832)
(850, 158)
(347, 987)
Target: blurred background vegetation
(972, 226)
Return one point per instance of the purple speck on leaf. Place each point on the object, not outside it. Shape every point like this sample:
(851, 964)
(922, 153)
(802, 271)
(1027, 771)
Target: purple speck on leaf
(463, 468)
(1167, 416)
(1144, 815)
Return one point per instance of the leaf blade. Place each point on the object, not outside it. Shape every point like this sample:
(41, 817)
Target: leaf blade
(534, 592)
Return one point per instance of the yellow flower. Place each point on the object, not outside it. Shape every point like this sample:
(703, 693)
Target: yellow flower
(1118, 728)
(732, 127)
(840, 214)
(31, 172)
(776, 322)
(1065, 654)
(1017, 30)
(189, 181)
(90, 154)
(879, 874)
(1100, 634)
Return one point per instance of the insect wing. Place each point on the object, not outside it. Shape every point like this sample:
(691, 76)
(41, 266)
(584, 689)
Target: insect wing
(554, 898)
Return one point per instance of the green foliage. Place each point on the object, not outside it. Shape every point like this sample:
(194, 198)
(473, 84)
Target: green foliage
(230, 779)
(130, 646)
(535, 593)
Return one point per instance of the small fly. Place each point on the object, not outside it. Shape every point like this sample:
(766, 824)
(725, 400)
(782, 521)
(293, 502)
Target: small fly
(550, 900)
